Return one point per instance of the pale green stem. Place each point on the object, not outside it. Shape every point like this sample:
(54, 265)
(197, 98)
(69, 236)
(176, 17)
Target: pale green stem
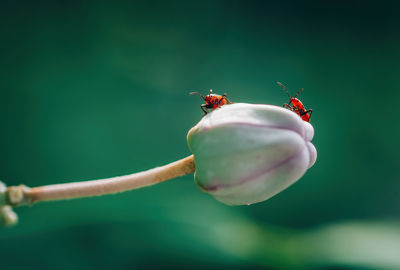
(22, 195)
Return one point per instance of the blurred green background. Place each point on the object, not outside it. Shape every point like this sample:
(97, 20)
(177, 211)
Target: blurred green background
(94, 89)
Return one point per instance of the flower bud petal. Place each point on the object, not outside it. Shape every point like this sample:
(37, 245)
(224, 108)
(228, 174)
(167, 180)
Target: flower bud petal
(246, 153)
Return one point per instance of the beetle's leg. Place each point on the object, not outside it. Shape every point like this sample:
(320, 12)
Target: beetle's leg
(309, 112)
(202, 106)
(287, 107)
(226, 97)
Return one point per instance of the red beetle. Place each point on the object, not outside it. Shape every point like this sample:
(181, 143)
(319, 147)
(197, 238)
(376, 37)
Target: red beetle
(213, 101)
(297, 106)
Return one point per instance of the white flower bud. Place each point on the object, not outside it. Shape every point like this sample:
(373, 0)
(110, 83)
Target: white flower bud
(247, 153)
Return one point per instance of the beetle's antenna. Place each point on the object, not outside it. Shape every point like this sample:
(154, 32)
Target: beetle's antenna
(196, 93)
(284, 89)
(287, 92)
(298, 92)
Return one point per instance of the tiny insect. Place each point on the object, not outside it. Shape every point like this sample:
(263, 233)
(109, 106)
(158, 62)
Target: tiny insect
(297, 106)
(213, 101)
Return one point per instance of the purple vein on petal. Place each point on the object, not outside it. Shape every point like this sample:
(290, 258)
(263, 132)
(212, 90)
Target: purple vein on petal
(254, 175)
(250, 125)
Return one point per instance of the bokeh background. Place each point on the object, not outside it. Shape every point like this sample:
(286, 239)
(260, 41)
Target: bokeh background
(93, 89)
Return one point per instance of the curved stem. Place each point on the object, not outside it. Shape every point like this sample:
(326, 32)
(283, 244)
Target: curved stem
(20, 195)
